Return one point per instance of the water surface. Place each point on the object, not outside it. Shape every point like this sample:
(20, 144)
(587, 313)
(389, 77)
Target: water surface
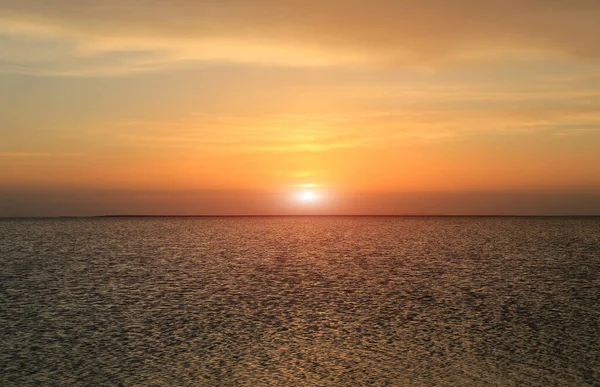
(325, 301)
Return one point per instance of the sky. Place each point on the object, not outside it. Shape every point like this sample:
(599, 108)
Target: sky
(240, 106)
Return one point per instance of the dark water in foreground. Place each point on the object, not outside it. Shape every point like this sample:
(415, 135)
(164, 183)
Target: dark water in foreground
(300, 302)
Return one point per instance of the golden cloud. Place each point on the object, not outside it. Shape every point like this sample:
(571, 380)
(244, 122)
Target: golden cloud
(153, 34)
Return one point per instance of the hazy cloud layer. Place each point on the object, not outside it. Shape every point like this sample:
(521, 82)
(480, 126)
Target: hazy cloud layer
(109, 36)
(289, 133)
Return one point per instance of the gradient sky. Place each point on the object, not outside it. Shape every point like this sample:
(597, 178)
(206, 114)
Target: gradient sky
(233, 106)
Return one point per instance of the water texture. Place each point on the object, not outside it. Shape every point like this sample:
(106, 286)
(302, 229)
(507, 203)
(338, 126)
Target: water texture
(323, 301)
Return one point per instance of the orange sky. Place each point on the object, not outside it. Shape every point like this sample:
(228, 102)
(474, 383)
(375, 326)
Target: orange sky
(383, 107)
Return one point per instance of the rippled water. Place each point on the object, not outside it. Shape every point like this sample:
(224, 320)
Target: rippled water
(327, 301)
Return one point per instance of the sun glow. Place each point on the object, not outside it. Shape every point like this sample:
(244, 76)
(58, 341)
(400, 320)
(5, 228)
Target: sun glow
(308, 197)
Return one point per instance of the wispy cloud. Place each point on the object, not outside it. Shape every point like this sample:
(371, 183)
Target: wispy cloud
(112, 37)
(325, 132)
(37, 154)
(23, 154)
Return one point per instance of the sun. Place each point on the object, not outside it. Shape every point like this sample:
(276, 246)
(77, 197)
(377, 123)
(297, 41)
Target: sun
(308, 196)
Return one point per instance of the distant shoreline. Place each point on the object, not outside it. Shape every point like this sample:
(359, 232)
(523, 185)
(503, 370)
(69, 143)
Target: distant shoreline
(345, 216)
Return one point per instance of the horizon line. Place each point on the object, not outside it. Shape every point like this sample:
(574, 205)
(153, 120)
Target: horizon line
(311, 215)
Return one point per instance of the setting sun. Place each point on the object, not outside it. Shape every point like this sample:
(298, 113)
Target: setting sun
(308, 196)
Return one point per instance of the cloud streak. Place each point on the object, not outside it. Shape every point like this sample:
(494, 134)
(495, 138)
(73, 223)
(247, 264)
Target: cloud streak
(327, 132)
(112, 37)
(23, 154)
